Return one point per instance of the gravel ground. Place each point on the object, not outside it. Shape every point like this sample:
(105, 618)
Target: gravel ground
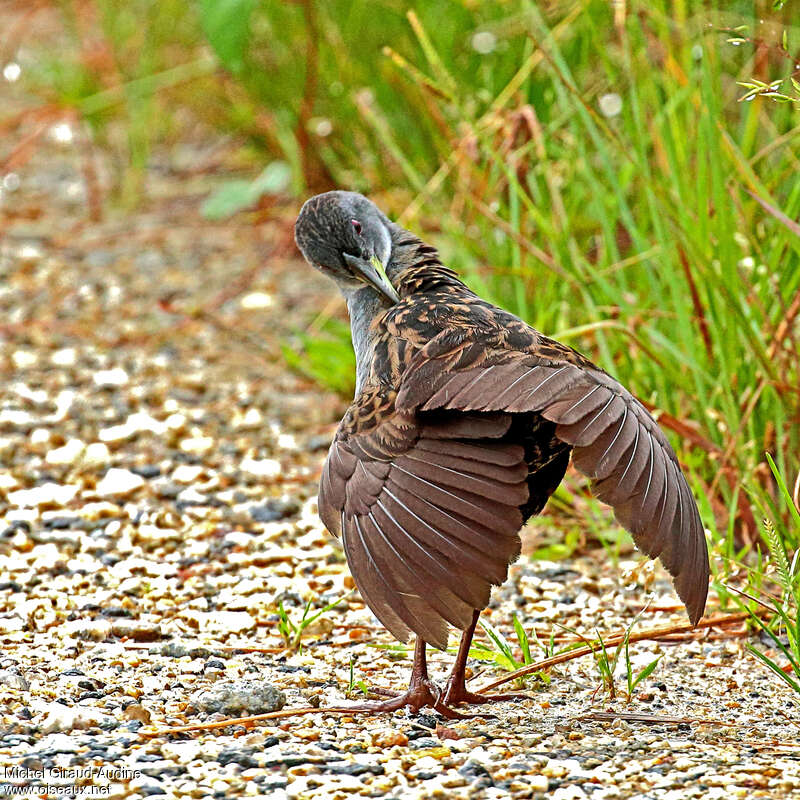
(158, 469)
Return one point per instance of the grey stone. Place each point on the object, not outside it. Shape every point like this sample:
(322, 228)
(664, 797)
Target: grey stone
(239, 697)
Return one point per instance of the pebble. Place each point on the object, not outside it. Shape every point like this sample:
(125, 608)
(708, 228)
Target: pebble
(256, 300)
(197, 445)
(389, 737)
(67, 454)
(138, 630)
(119, 483)
(95, 630)
(186, 473)
(135, 424)
(183, 752)
(7, 481)
(137, 712)
(63, 718)
(97, 454)
(239, 698)
(261, 468)
(48, 494)
(13, 680)
(110, 378)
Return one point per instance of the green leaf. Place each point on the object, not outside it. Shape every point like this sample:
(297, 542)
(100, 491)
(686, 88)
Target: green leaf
(229, 198)
(784, 489)
(273, 180)
(522, 637)
(643, 674)
(784, 676)
(236, 195)
(226, 24)
(505, 656)
(325, 357)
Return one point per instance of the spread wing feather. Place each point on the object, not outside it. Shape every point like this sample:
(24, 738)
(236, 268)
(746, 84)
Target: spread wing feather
(429, 519)
(615, 442)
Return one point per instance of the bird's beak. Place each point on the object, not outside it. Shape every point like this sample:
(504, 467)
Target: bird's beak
(374, 273)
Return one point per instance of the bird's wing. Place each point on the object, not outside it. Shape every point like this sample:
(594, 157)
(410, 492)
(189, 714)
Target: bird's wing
(615, 440)
(427, 506)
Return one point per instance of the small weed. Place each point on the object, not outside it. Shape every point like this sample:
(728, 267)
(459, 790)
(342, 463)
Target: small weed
(353, 684)
(607, 664)
(501, 652)
(292, 632)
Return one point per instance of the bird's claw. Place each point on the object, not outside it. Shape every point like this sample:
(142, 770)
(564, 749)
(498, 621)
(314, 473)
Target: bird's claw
(457, 693)
(421, 693)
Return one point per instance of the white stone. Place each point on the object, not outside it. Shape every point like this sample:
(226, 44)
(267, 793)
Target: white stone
(286, 441)
(252, 418)
(15, 417)
(39, 436)
(23, 358)
(222, 621)
(610, 104)
(56, 494)
(139, 422)
(97, 454)
(62, 718)
(12, 623)
(183, 752)
(119, 483)
(8, 481)
(568, 793)
(186, 473)
(175, 422)
(66, 357)
(256, 300)
(68, 453)
(111, 377)
(190, 496)
(197, 445)
(261, 468)
(484, 42)
(93, 630)
(64, 400)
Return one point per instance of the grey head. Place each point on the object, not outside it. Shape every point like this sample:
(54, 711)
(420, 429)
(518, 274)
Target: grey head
(347, 237)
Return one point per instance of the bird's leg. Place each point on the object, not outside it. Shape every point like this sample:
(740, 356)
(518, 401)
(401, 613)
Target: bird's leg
(421, 691)
(455, 691)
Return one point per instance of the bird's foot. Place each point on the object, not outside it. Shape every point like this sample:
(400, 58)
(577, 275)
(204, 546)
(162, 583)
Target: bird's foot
(455, 693)
(421, 693)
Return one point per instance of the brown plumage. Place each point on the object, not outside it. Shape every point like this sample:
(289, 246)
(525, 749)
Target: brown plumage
(462, 426)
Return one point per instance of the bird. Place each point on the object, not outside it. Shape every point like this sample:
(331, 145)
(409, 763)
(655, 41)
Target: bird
(463, 423)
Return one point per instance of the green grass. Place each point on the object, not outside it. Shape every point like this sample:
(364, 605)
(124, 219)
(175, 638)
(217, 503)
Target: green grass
(623, 177)
(292, 632)
(781, 600)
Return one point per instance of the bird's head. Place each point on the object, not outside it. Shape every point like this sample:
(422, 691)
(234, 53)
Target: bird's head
(347, 237)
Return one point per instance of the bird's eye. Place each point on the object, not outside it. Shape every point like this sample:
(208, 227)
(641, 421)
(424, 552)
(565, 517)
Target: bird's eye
(356, 226)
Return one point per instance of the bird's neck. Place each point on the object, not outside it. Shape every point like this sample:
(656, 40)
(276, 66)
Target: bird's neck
(415, 267)
(363, 306)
